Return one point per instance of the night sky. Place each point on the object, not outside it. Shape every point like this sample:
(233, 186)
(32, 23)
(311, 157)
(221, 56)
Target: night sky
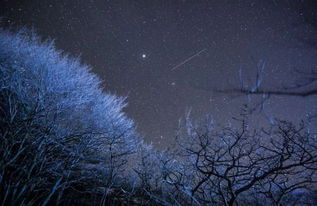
(169, 55)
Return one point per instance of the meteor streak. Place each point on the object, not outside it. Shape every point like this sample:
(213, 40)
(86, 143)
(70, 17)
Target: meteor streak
(187, 60)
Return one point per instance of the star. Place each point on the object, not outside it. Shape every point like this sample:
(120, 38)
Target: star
(143, 56)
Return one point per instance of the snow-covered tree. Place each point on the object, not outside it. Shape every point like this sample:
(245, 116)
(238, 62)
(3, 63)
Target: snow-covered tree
(56, 120)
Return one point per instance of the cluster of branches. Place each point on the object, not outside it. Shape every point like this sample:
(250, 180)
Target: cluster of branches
(233, 166)
(60, 134)
(304, 86)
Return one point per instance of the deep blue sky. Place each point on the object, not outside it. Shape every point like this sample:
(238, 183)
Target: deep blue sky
(134, 46)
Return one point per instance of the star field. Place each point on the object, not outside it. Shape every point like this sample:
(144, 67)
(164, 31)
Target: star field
(168, 56)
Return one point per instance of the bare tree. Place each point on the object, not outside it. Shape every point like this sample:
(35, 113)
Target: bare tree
(231, 163)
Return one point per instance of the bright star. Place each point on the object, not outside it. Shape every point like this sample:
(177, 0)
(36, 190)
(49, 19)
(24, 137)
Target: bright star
(143, 56)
